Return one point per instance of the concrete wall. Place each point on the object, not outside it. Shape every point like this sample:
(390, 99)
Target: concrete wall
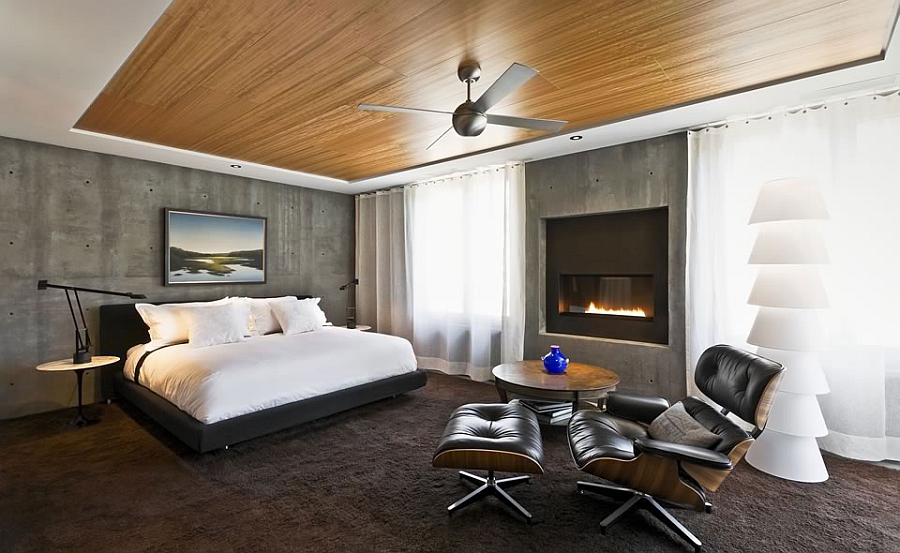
(640, 175)
(95, 220)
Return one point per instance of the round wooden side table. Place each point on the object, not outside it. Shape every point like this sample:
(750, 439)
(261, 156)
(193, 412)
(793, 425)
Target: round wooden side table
(580, 382)
(79, 368)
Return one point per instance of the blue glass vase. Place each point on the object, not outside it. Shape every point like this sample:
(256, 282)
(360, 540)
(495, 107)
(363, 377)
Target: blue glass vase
(555, 362)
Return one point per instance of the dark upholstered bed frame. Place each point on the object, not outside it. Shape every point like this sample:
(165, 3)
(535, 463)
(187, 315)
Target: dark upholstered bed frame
(121, 328)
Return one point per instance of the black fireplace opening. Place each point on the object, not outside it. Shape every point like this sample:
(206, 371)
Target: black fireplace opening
(607, 296)
(607, 275)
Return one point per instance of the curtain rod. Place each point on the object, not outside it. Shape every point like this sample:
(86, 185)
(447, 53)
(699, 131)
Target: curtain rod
(452, 176)
(791, 110)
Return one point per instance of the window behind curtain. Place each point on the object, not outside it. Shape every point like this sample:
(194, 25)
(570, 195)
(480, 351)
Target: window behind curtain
(457, 244)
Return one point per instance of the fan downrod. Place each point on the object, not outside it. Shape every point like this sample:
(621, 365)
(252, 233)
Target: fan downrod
(467, 119)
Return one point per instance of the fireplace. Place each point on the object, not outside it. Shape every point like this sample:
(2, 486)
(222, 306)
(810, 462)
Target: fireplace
(607, 275)
(606, 296)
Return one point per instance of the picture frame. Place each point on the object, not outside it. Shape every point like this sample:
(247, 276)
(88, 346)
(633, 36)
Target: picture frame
(205, 247)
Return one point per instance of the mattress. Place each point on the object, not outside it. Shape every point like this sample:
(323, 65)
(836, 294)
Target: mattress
(220, 382)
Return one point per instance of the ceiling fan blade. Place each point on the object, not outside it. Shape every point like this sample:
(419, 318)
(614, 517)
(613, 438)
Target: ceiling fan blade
(550, 125)
(438, 138)
(511, 79)
(397, 109)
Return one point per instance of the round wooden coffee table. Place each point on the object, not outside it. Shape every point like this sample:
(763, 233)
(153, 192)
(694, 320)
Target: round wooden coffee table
(580, 382)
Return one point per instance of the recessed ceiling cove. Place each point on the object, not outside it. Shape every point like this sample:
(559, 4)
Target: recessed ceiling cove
(278, 82)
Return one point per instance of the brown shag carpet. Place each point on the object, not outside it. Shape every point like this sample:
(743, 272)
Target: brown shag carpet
(362, 481)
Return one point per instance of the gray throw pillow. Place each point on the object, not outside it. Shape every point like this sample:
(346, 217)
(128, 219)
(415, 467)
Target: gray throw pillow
(677, 426)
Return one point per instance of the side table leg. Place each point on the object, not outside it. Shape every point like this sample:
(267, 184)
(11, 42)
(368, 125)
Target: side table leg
(80, 420)
(504, 398)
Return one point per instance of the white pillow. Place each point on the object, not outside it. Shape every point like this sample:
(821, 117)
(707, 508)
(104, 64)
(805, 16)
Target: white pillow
(165, 322)
(262, 321)
(243, 305)
(215, 324)
(299, 316)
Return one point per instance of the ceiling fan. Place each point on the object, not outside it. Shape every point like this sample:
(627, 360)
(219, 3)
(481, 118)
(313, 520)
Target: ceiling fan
(470, 118)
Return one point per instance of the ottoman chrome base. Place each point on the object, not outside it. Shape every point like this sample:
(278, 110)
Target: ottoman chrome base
(491, 486)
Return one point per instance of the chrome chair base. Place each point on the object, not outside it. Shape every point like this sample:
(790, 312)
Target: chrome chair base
(633, 500)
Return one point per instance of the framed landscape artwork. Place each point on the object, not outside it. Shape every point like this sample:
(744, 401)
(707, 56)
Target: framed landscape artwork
(214, 248)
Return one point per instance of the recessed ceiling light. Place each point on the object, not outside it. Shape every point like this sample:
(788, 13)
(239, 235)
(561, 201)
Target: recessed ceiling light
(235, 166)
(576, 137)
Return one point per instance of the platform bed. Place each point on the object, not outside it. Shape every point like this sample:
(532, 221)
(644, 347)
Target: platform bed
(121, 328)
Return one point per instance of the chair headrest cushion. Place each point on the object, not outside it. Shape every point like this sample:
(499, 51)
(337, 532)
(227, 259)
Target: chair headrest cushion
(736, 379)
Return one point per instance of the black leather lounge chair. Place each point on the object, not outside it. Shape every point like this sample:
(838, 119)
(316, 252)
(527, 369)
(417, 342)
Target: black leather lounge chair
(653, 474)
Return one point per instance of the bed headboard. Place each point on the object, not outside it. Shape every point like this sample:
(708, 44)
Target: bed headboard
(121, 328)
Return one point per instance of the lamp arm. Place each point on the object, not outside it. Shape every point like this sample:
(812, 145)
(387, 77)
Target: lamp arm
(84, 325)
(82, 345)
(43, 285)
(353, 282)
(78, 343)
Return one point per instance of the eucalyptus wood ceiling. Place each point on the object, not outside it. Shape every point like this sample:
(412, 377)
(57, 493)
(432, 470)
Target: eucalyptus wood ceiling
(277, 82)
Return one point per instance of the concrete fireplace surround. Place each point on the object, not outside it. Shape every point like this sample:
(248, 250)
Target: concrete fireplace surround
(640, 175)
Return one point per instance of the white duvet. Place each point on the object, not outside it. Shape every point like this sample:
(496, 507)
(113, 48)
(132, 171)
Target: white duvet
(220, 382)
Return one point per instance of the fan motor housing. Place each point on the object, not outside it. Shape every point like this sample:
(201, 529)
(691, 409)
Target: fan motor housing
(468, 121)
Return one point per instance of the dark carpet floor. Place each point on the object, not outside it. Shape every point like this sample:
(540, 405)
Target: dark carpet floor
(362, 481)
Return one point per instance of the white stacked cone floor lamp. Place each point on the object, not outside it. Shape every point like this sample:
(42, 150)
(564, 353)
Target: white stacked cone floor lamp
(789, 291)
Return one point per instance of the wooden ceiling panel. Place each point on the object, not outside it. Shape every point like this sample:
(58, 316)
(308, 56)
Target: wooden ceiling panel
(277, 82)
(457, 28)
(801, 31)
(321, 37)
(213, 37)
(287, 113)
(723, 80)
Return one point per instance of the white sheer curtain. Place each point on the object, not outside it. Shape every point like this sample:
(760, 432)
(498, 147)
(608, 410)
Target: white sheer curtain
(383, 298)
(851, 149)
(458, 291)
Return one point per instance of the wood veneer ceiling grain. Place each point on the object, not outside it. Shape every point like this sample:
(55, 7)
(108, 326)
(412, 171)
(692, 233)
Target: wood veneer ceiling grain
(277, 82)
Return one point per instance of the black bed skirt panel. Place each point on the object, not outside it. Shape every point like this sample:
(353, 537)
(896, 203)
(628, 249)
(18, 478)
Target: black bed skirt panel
(207, 437)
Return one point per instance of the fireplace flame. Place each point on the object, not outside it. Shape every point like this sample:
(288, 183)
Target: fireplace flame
(636, 312)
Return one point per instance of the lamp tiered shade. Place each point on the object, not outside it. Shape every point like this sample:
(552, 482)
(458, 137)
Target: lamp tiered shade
(786, 329)
(789, 200)
(798, 415)
(787, 456)
(805, 374)
(789, 242)
(799, 287)
(789, 292)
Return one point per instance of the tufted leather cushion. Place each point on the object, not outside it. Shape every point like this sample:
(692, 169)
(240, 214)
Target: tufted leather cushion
(735, 379)
(634, 406)
(597, 435)
(717, 423)
(500, 428)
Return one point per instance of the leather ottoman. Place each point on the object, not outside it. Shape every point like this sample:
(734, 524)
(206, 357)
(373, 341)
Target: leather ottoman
(491, 437)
